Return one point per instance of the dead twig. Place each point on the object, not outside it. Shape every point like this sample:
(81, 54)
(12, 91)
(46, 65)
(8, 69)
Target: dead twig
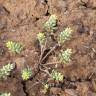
(52, 49)
(51, 63)
(43, 48)
(45, 71)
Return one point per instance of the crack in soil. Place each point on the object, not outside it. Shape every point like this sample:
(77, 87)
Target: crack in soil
(47, 13)
(85, 4)
(24, 88)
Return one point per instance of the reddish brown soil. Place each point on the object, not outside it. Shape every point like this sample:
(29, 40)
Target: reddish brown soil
(21, 20)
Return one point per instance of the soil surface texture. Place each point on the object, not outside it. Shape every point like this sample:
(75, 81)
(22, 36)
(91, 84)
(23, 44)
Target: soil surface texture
(22, 20)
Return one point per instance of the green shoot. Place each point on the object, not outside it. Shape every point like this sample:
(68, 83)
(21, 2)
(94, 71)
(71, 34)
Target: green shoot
(5, 94)
(65, 35)
(14, 46)
(50, 25)
(65, 56)
(26, 73)
(41, 37)
(56, 75)
(6, 70)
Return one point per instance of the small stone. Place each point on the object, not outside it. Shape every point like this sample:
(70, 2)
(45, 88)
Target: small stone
(71, 92)
(20, 63)
(55, 91)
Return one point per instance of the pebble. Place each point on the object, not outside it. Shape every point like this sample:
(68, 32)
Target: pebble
(20, 63)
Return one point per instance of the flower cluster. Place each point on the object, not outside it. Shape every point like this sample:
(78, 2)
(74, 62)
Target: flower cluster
(5, 94)
(65, 56)
(14, 46)
(50, 25)
(41, 38)
(46, 87)
(6, 70)
(65, 35)
(56, 75)
(26, 73)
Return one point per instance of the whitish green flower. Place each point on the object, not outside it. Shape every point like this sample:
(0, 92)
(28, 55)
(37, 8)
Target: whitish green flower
(50, 25)
(46, 87)
(14, 46)
(6, 70)
(5, 94)
(65, 56)
(26, 73)
(41, 37)
(65, 35)
(56, 75)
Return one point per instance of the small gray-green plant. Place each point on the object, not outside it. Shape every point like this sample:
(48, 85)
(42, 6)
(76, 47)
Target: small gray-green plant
(56, 75)
(65, 56)
(26, 73)
(14, 46)
(5, 94)
(50, 25)
(6, 70)
(41, 37)
(65, 35)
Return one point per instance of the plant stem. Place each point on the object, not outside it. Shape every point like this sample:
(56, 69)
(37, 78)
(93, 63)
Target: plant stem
(51, 63)
(52, 49)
